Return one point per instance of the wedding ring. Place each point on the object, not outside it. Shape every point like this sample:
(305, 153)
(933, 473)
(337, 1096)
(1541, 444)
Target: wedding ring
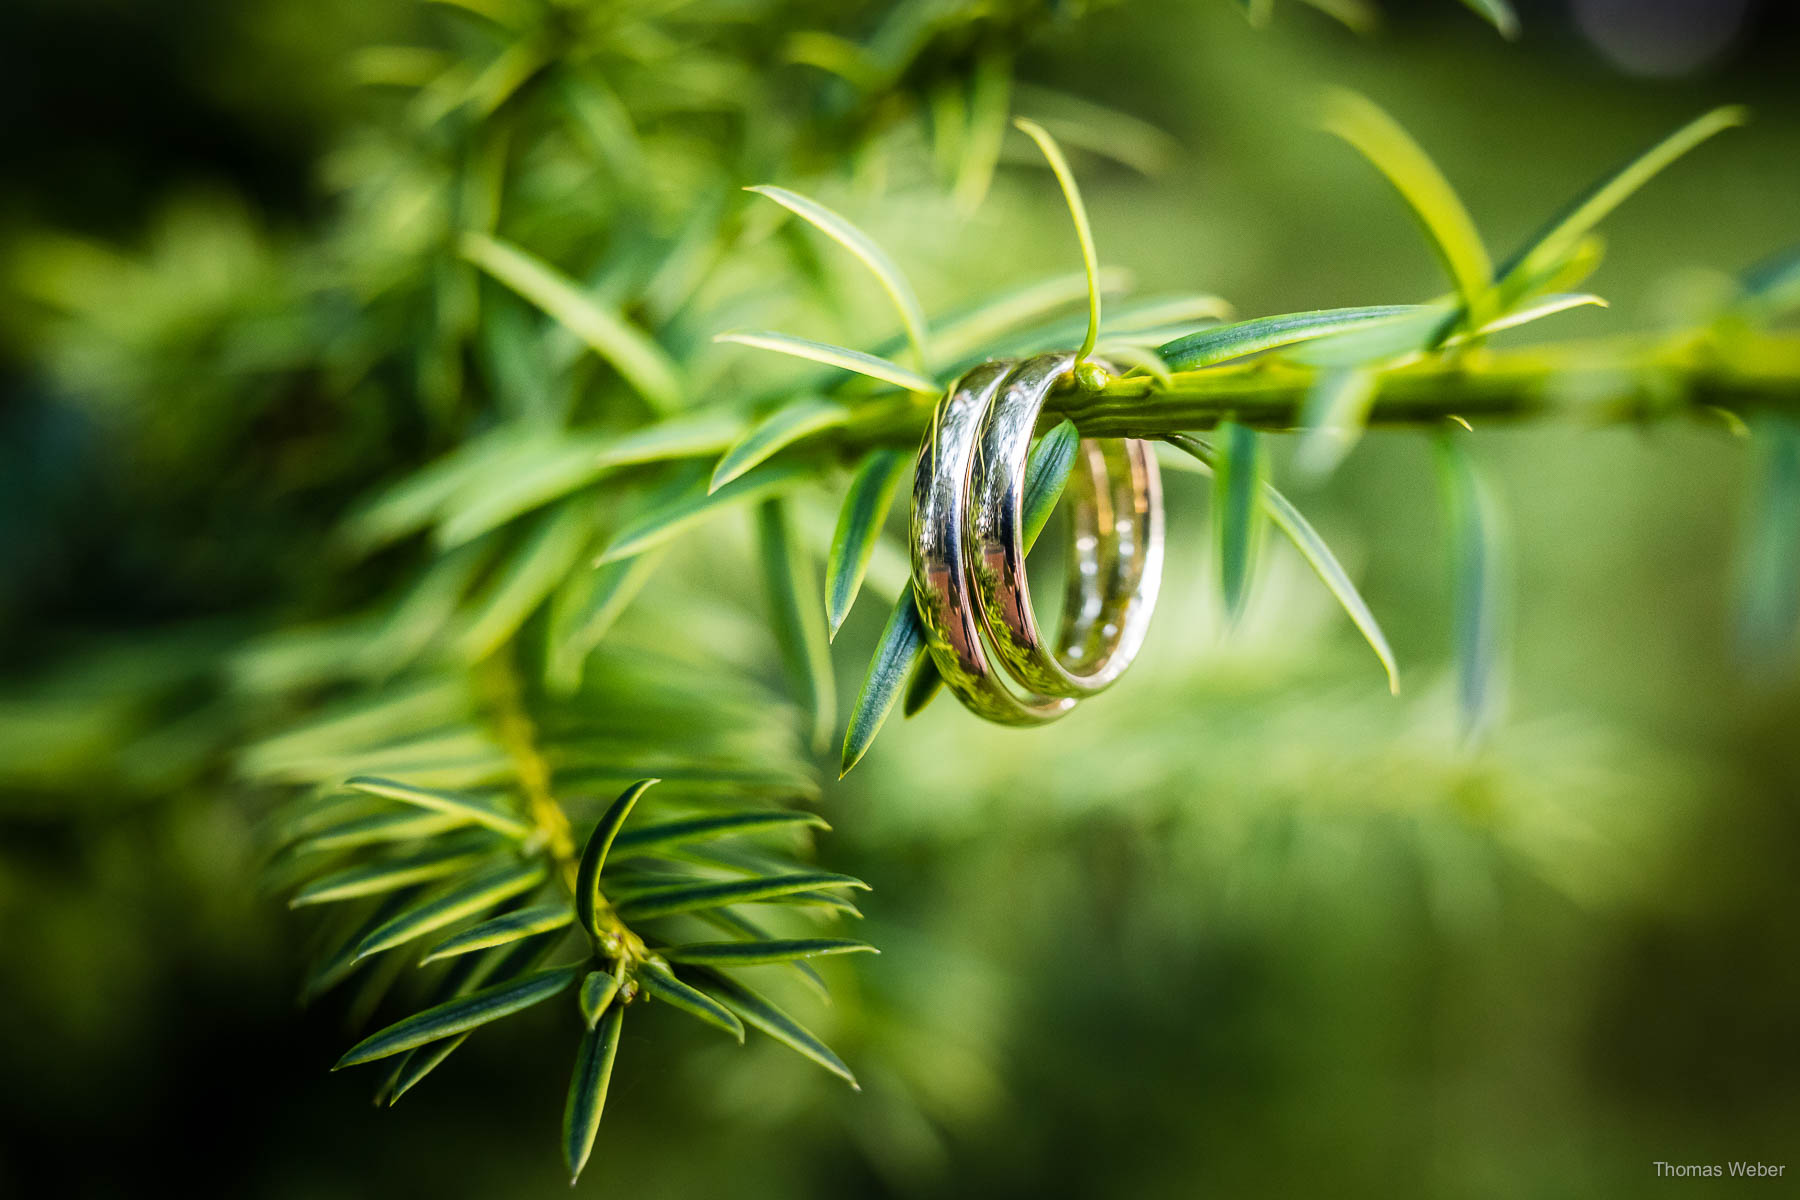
(1115, 494)
(940, 573)
(968, 545)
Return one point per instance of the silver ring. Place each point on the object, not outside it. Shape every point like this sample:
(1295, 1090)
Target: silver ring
(1117, 526)
(940, 574)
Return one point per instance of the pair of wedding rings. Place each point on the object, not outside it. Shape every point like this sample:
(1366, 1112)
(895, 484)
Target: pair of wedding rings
(968, 549)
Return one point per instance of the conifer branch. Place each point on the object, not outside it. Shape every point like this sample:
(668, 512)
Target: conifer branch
(517, 736)
(1589, 381)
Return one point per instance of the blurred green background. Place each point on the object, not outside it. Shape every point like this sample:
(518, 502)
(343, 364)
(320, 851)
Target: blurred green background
(1245, 926)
